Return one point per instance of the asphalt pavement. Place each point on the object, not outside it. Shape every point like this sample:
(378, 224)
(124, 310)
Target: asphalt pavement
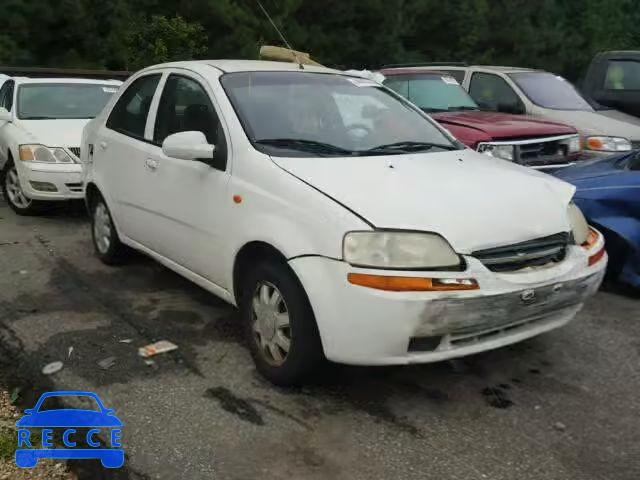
(564, 405)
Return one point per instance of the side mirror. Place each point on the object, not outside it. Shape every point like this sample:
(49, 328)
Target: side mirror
(5, 116)
(109, 411)
(513, 108)
(28, 411)
(188, 146)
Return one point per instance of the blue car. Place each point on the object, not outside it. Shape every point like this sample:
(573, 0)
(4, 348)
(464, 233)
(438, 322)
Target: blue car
(608, 192)
(68, 419)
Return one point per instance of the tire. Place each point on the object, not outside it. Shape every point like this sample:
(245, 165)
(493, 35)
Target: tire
(618, 251)
(13, 194)
(263, 313)
(106, 243)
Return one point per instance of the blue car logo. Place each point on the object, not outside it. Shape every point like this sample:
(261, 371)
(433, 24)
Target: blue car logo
(40, 417)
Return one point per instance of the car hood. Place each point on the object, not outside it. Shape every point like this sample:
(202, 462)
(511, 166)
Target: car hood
(502, 125)
(473, 200)
(588, 169)
(69, 418)
(55, 133)
(595, 123)
(618, 115)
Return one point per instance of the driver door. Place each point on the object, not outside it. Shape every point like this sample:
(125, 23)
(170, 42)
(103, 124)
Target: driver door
(190, 201)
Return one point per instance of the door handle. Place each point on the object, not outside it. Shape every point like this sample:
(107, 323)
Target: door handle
(151, 163)
(103, 145)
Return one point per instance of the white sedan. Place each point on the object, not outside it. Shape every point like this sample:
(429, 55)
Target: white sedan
(41, 122)
(342, 221)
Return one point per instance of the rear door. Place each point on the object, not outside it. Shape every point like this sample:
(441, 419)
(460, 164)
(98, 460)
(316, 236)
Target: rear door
(120, 150)
(190, 201)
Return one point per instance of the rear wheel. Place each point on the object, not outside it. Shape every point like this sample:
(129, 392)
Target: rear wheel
(15, 196)
(106, 242)
(280, 327)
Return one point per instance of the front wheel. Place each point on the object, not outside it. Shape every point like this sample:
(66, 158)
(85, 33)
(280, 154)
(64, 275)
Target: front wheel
(15, 196)
(280, 327)
(106, 242)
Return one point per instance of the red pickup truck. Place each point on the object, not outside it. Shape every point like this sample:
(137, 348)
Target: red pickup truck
(528, 141)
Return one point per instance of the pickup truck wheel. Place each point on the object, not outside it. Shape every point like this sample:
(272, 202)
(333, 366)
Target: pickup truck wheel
(106, 242)
(279, 325)
(15, 196)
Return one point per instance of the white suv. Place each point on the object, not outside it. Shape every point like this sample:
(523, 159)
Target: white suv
(342, 220)
(41, 122)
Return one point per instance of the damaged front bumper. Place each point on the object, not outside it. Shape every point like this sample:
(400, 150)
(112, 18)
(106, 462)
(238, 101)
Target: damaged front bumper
(364, 326)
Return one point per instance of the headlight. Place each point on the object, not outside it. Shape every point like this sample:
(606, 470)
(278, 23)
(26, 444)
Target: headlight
(579, 226)
(42, 154)
(573, 144)
(398, 250)
(607, 144)
(505, 152)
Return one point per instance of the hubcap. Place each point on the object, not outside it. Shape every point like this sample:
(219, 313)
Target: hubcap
(14, 190)
(102, 228)
(270, 322)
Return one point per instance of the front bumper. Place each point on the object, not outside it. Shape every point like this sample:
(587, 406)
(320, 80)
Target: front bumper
(37, 179)
(363, 326)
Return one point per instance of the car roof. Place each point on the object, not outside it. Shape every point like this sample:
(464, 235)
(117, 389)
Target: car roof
(41, 80)
(410, 71)
(245, 66)
(440, 67)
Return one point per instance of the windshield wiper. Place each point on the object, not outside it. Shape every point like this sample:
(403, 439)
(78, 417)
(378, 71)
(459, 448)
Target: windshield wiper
(401, 147)
(304, 145)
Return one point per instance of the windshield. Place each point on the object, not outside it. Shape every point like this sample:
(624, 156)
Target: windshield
(550, 91)
(432, 93)
(44, 101)
(286, 113)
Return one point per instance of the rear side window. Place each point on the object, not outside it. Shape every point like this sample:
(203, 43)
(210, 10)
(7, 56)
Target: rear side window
(6, 95)
(491, 92)
(185, 106)
(129, 116)
(622, 75)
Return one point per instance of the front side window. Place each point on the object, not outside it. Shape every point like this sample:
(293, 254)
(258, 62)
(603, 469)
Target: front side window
(550, 91)
(185, 106)
(315, 114)
(622, 75)
(129, 115)
(494, 94)
(432, 93)
(44, 101)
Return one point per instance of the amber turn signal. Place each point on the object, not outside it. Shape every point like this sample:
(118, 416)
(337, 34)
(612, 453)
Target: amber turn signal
(596, 257)
(411, 284)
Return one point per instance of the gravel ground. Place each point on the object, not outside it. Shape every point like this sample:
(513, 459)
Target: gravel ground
(46, 469)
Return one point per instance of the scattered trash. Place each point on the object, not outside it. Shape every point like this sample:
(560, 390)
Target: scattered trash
(70, 352)
(107, 363)
(163, 346)
(15, 394)
(561, 427)
(51, 368)
(537, 407)
(126, 340)
(149, 362)
(24, 272)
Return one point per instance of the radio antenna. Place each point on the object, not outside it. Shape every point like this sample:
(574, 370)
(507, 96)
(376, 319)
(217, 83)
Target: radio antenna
(293, 52)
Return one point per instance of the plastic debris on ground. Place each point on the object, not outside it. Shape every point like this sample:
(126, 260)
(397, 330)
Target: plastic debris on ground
(163, 346)
(52, 368)
(107, 363)
(126, 340)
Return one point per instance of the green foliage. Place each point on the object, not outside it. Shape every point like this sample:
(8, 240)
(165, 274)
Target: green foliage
(558, 35)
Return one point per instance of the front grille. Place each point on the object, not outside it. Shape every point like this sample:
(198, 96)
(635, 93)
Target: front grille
(542, 153)
(75, 187)
(75, 151)
(532, 253)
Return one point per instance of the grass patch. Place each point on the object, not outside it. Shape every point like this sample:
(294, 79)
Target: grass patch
(8, 443)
